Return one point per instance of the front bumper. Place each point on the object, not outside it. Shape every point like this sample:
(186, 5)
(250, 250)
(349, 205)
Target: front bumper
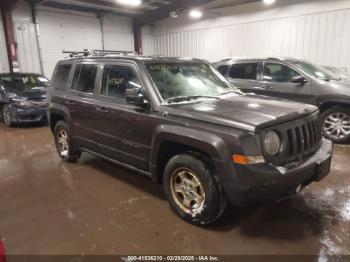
(27, 114)
(264, 182)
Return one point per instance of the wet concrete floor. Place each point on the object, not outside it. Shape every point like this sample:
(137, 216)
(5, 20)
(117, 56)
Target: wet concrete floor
(94, 207)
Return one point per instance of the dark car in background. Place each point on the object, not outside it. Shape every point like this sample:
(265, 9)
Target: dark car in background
(297, 80)
(23, 98)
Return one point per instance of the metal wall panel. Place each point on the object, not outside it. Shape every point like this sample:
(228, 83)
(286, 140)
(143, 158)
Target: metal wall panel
(118, 33)
(321, 37)
(65, 31)
(27, 48)
(4, 65)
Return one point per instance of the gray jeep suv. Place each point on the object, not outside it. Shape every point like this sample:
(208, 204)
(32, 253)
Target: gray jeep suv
(296, 80)
(180, 122)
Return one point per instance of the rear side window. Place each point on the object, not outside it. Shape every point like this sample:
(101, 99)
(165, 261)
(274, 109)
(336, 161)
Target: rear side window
(61, 77)
(116, 79)
(84, 78)
(244, 71)
(222, 69)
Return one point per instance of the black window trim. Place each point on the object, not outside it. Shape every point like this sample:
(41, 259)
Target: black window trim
(76, 92)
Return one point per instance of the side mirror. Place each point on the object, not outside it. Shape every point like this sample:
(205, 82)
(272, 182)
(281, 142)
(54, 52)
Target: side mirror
(299, 80)
(135, 96)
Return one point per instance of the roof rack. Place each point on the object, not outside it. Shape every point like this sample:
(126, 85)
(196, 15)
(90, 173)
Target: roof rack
(96, 52)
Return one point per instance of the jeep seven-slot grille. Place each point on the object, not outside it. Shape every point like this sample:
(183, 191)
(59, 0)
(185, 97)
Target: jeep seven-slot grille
(300, 138)
(303, 140)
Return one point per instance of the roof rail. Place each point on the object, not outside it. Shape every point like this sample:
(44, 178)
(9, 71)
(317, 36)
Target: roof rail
(95, 52)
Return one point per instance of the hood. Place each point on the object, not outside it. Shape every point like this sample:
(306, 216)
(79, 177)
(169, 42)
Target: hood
(34, 93)
(247, 112)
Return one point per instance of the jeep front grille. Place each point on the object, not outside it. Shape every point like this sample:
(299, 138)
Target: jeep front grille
(300, 139)
(303, 140)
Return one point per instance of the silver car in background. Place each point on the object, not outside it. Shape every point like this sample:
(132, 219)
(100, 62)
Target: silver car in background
(298, 80)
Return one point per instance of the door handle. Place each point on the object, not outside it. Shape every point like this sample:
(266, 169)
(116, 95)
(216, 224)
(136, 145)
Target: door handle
(103, 109)
(267, 87)
(70, 102)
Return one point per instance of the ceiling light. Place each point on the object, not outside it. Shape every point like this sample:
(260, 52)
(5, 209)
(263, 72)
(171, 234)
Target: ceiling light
(195, 14)
(269, 2)
(130, 2)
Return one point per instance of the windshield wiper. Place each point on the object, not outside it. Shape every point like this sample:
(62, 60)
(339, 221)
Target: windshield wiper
(186, 98)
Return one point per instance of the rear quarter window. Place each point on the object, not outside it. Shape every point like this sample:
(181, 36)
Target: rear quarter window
(244, 71)
(61, 77)
(222, 69)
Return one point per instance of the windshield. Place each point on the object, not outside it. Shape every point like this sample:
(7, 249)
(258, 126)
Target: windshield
(181, 80)
(24, 81)
(316, 71)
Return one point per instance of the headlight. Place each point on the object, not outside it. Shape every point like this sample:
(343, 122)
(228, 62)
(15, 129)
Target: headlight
(271, 143)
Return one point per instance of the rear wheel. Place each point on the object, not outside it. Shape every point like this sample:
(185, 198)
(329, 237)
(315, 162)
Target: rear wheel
(65, 145)
(336, 124)
(193, 190)
(6, 115)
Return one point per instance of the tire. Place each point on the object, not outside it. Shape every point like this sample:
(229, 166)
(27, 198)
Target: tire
(65, 145)
(187, 174)
(336, 124)
(6, 115)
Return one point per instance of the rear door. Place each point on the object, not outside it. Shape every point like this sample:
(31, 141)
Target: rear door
(276, 81)
(81, 104)
(244, 76)
(124, 129)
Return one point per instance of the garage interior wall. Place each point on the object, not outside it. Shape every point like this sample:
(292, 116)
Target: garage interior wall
(313, 30)
(60, 30)
(4, 64)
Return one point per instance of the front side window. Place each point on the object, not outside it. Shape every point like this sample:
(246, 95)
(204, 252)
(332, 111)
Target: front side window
(184, 80)
(278, 73)
(84, 78)
(244, 71)
(116, 79)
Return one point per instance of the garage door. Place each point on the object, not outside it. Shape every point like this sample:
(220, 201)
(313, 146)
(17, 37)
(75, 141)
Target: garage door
(4, 66)
(61, 31)
(27, 47)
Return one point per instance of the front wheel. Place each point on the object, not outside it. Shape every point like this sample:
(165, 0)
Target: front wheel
(193, 190)
(336, 124)
(6, 115)
(65, 145)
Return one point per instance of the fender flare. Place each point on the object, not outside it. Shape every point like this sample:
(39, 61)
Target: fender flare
(209, 143)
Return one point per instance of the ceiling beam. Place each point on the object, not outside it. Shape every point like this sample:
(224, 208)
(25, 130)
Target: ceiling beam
(7, 5)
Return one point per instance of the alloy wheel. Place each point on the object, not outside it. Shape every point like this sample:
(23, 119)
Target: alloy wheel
(63, 142)
(337, 125)
(187, 190)
(6, 115)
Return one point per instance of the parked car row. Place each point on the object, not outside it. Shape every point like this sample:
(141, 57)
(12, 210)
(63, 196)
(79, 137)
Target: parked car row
(180, 122)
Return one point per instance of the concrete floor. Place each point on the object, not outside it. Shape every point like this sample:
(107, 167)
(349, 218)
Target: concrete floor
(94, 207)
